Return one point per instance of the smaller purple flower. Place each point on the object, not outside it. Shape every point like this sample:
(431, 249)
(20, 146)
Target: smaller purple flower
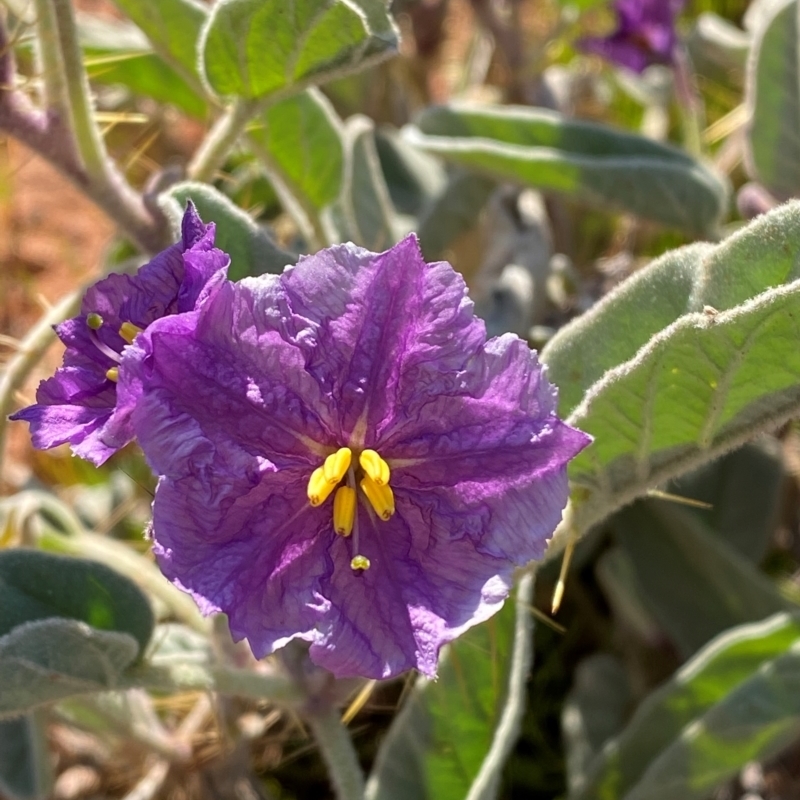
(645, 34)
(81, 404)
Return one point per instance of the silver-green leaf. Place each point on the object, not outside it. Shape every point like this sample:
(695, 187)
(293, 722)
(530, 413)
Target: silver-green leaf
(735, 701)
(51, 659)
(256, 48)
(722, 371)
(173, 26)
(773, 99)
(585, 160)
(300, 142)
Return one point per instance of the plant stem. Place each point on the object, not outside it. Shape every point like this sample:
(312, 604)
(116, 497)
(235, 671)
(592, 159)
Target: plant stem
(56, 92)
(33, 347)
(87, 135)
(68, 138)
(221, 139)
(339, 754)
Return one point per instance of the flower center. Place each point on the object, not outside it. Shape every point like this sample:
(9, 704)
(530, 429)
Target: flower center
(338, 473)
(127, 331)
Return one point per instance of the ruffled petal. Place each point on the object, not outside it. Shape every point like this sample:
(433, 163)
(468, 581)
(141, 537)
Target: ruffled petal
(420, 592)
(378, 320)
(227, 369)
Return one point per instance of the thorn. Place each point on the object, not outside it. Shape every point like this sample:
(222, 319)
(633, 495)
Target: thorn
(359, 701)
(558, 593)
(676, 498)
(542, 617)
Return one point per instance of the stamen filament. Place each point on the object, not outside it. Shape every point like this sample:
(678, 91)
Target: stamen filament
(103, 347)
(128, 331)
(344, 510)
(381, 498)
(319, 488)
(337, 464)
(374, 466)
(113, 374)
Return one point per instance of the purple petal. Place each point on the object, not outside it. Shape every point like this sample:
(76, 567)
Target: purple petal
(227, 369)
(380, 321)
(280, 573)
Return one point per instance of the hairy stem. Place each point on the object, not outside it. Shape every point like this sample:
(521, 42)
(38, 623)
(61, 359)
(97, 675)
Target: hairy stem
(33, 347)
(54, 79)
(87, 135)
(221, 139)
(69, 138)
(339, 754)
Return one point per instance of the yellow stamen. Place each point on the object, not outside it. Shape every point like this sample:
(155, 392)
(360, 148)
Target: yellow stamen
(344, 510)
(318, 487)
(337, 464)
(113, 374)
(128, 331)
(94, 321)
(360, 563)
(375, 467)
(381, 498)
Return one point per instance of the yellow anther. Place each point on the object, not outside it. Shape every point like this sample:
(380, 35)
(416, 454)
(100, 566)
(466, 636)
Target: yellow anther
(94, 321)
(113, 374)
(381, 498)
(344, 510)
(128, 331)
(374, 466)
(337, 464)
(318, 487)
(360, 563)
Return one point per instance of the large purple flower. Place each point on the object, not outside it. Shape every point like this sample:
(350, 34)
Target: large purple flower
(346, 459)
(80, 404)
(645, 34)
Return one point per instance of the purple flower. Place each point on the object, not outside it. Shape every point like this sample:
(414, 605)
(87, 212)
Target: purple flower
(346, 459)
(81, 403)
(645, 34)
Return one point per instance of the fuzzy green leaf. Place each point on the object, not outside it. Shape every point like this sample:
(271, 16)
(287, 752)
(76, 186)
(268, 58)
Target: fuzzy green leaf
(254, 48)
(765, 253)
(735, 701)
(173, 26)
(703, 385)
(592, 162)
(51, 659)
(299, 141)
(725, 369)
(773, 97)
(36, 586)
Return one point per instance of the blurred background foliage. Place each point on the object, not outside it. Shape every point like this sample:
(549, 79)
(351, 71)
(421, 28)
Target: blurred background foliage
(626, 664)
